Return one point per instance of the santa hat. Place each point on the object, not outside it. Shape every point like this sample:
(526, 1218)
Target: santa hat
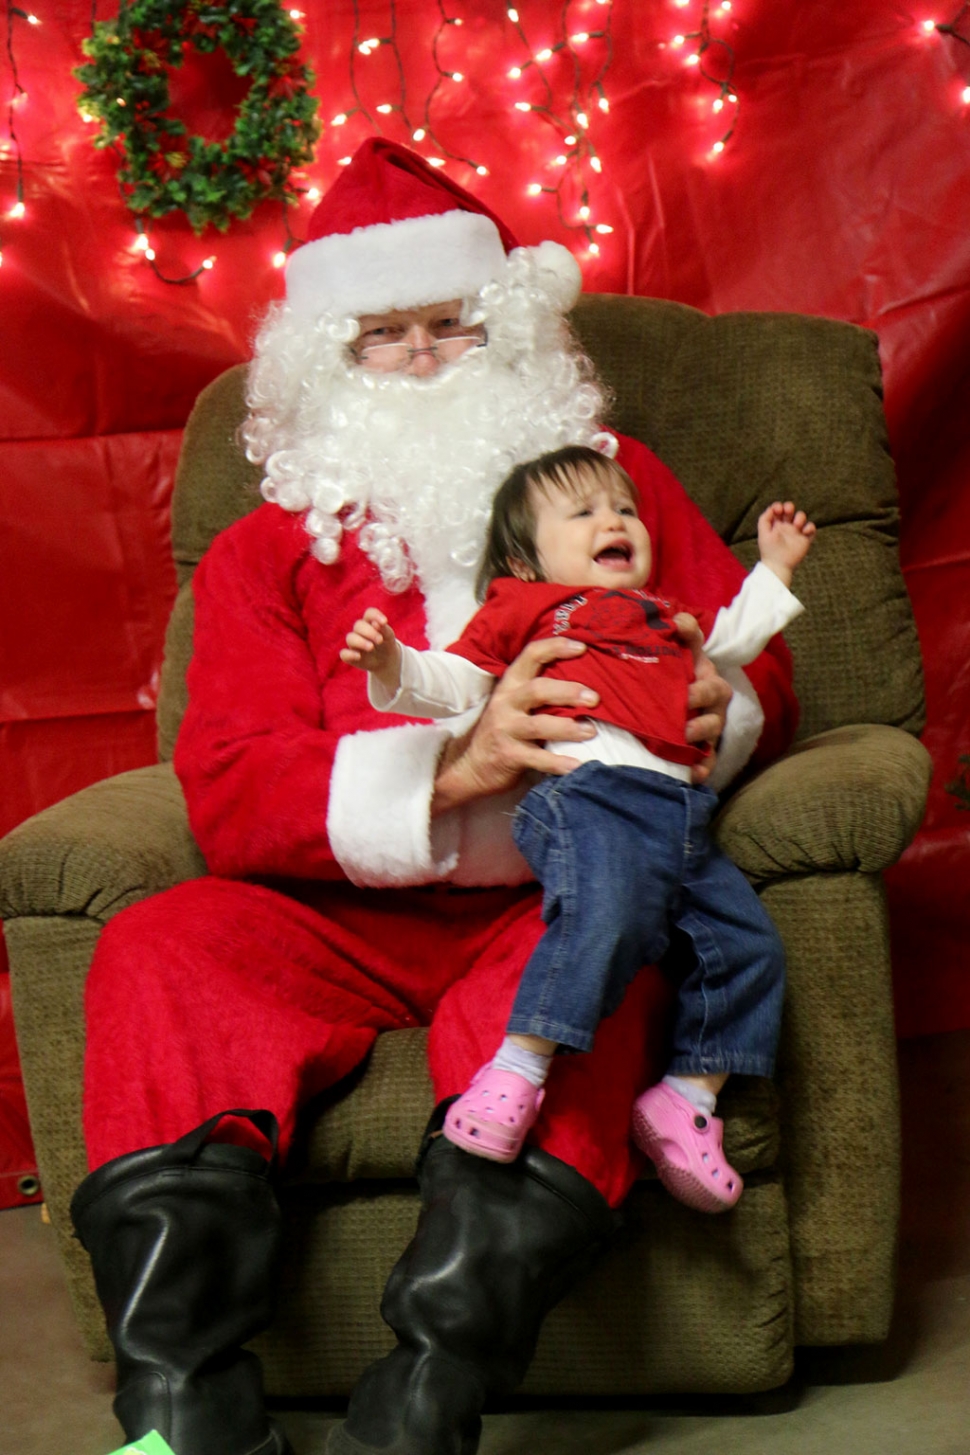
(394, 233)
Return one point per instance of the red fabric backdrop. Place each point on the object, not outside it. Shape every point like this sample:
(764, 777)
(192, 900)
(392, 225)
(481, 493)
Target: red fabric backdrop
(843, 191)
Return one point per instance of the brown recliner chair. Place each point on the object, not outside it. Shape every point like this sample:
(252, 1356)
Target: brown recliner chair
(745, 408)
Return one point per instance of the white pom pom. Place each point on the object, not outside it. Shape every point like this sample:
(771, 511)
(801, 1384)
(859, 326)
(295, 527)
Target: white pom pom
(606, 443)
(557, 272)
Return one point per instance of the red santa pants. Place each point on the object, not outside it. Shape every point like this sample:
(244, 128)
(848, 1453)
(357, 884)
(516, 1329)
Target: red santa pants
(219, 994)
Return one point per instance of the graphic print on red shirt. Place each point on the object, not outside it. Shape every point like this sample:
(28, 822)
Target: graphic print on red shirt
(633, 656)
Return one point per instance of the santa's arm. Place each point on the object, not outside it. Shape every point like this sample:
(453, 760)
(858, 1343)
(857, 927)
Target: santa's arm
(272, 791)
(470, 843)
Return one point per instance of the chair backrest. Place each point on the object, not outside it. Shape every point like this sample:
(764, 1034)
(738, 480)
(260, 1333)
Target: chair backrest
(745, 408)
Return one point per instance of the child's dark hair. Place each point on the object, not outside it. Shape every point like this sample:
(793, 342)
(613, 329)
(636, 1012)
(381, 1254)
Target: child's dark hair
(512, 528)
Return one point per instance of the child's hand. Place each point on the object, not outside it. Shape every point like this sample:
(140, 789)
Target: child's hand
(372, 646)
(784, 538)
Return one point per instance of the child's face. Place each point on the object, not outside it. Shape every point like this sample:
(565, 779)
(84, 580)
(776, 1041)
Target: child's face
(593, 537)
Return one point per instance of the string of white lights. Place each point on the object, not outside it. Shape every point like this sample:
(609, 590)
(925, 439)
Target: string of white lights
(558, 84)
(714, 59)
(567, 112)
(16, 98)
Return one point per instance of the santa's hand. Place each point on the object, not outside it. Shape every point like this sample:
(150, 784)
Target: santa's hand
(707, 697)
(372, 645)
(507, 739)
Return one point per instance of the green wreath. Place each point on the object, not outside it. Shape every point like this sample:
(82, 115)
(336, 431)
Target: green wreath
(126, 89)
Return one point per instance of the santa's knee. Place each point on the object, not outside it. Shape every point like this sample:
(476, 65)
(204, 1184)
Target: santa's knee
(160, 938)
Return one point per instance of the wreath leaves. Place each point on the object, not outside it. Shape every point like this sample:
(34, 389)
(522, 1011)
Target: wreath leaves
(166, 170)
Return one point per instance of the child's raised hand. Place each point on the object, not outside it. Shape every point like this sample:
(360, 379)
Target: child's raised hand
(372, 645)
(784, 538)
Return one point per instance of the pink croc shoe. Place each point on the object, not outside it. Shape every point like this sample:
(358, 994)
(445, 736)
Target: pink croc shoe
(685, 1145)
(493, 1116)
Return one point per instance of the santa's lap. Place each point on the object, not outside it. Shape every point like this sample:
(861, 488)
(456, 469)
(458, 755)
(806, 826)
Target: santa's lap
(220, 993)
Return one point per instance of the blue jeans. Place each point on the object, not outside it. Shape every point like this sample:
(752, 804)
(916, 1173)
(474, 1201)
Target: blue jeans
(625, 857)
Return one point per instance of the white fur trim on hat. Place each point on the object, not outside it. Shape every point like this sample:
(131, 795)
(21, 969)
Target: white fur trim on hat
(395, 265)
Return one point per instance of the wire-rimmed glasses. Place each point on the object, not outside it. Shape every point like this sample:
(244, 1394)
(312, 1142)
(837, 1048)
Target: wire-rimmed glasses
(398, 355)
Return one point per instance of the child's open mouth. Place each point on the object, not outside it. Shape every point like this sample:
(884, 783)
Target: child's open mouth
(618, 555)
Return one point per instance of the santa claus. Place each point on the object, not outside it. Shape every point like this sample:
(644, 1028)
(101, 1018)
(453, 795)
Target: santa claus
(363, 877)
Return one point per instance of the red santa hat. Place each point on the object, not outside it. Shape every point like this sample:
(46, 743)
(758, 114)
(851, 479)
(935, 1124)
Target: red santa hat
(394, 233)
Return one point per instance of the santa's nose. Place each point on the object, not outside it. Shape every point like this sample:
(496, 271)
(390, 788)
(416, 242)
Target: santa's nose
(423, 358)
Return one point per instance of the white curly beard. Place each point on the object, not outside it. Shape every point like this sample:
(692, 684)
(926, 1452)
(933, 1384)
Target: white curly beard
(413, 464)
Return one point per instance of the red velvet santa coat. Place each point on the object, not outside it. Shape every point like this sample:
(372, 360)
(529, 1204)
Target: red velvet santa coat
(266, 982)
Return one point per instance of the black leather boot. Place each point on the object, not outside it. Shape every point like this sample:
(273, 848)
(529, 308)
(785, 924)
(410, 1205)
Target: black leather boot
(184, 1240)
(496, 1246)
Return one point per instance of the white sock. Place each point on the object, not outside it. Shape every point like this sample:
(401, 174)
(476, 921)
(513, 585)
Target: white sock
(693, 1092)
(530, 1064)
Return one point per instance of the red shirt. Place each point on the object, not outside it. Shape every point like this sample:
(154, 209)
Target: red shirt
(633, 657)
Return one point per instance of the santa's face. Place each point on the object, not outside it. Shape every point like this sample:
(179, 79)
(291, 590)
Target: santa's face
(409, 457)
(592, 536)
(415, 341)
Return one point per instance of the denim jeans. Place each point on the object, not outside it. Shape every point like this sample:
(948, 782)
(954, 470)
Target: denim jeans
(625, 858)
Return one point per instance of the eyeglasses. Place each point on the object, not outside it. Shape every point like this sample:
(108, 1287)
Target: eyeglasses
(397, 355)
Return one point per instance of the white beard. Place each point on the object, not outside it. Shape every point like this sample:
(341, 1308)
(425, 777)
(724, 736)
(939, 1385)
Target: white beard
(412, 463)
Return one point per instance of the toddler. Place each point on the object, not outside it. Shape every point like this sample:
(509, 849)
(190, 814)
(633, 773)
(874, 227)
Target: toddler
(620, 843)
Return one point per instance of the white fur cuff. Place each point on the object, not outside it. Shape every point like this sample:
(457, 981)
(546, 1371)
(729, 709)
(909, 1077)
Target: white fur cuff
(380, 808)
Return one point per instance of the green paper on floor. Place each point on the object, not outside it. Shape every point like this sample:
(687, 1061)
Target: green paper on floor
(150, 1444)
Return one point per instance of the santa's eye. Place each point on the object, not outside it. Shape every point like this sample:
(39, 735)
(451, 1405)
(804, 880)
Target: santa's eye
(388, 333)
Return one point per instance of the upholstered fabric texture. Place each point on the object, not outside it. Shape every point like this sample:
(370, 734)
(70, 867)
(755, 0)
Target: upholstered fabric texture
(91, 855)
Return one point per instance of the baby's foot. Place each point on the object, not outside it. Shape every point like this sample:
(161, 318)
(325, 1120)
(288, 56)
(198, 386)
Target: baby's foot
(685, 1145)
(492, 1118)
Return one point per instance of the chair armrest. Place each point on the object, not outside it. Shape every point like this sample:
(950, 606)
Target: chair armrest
(101, 849)
(848, 799)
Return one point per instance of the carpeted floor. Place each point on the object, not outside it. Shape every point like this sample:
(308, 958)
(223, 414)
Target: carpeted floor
(914, 1399)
